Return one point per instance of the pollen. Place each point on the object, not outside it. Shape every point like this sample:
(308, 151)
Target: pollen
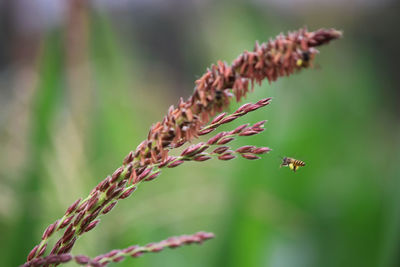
(299, 62)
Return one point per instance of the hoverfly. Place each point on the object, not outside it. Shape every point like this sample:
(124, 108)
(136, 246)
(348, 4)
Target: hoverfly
(218, 95)
(293, 164)
(305, 59)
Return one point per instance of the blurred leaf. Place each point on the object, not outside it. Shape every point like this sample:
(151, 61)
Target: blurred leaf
(26, 232)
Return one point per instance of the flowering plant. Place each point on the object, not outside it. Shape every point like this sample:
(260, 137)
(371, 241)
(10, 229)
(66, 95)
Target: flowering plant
(185, 123)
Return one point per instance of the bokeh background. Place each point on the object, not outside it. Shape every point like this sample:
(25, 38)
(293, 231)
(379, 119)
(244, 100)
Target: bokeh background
(82, 81)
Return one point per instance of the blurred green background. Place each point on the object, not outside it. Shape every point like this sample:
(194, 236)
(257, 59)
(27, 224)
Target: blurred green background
(81, 82)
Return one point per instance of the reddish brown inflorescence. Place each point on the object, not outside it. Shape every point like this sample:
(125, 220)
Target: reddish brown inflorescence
(118, 255)
(188, 120)
(214, 90)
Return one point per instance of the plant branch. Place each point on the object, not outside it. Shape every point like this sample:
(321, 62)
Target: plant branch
(188, 120)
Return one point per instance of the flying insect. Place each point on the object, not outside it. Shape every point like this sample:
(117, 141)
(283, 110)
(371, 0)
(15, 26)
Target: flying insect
(293, 164)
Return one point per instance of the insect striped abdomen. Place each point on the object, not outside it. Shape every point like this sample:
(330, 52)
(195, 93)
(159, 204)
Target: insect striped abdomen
(299, 162)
